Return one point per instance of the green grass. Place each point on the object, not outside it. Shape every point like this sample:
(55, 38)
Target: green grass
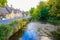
(2, 29)
(56, 22)
(10, 27)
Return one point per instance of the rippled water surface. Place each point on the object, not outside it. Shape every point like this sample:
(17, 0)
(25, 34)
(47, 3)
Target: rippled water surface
(37, 31)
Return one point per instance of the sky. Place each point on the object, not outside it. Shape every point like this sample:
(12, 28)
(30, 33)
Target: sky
(23, 5)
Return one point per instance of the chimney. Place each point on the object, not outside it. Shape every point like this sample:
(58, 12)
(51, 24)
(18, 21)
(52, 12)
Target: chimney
(11, 6)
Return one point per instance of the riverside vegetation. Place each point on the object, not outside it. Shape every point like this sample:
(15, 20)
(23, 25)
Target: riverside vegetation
(48, 11)
(7, 30)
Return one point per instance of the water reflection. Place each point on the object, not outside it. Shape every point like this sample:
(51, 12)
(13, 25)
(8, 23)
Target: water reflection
(31, 32)
(29, 36)
(34, 31)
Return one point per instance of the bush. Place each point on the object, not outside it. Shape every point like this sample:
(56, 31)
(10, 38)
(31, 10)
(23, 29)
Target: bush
(55, 35)
(56, 22)
(5, 31)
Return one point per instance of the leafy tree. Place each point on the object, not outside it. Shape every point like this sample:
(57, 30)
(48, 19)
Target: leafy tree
(49, 10)
(31, 13)
(3, 3)
(37, 11)
(54, 8)
(44, 11)
(40, 12)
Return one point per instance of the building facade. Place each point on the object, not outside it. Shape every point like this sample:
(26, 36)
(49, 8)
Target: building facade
(10, 13)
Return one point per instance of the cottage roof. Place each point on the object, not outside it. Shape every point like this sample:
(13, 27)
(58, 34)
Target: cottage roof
(3, 10)
(8, 10)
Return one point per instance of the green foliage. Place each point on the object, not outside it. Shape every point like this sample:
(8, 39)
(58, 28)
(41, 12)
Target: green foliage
(44, 13)
(55, 35)
(54, 9)
(40, 12)
(6, 30)
(2, 29)
(31, 11)
(47, 11)
(1, 32)
(9, 29)
(3, 3)
(55, 22)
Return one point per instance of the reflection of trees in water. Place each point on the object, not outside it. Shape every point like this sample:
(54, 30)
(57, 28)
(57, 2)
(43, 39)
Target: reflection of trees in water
(33, 32)
(55, 35)
(18, 34)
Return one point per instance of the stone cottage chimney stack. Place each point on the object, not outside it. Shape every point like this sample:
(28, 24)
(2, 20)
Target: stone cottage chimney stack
(11, 6)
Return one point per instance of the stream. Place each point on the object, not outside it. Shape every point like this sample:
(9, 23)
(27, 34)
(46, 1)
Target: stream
(37, 31)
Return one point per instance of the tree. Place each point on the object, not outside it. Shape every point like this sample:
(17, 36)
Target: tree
(3, 3)
(31, 13)
(31, 10)
(40, 12)
(46, 10)
(54, 8)
(44, 13)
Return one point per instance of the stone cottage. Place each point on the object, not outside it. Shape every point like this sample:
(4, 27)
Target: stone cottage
(10, 13)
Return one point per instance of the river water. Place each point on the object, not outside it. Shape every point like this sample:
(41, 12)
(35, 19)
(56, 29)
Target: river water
(37, 31)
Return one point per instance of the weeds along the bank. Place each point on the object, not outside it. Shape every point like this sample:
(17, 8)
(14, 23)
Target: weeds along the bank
(6, 30)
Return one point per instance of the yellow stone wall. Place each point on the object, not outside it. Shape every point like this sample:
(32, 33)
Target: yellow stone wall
(13, 15)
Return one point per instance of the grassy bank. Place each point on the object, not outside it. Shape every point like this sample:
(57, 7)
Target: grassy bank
(6, 30)
(56, 22)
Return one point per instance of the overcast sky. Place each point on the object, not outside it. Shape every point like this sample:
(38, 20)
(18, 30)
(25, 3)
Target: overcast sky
(23, 5)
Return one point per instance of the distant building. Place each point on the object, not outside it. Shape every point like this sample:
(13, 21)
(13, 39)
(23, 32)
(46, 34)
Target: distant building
(10, 13)
(3, 12)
